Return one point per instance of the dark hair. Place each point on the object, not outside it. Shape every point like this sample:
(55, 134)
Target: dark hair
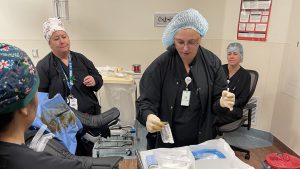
(5, 119)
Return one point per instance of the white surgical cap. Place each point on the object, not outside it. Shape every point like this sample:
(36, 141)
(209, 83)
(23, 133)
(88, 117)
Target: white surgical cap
(190, 18)
(52, 25)
(236, 47)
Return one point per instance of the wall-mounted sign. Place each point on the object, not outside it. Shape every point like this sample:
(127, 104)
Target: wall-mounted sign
(163, 19)
(254, 20)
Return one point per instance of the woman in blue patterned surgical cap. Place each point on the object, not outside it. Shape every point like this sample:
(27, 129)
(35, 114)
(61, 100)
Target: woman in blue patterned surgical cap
(18, 104)
(185, 86)
(238, 82)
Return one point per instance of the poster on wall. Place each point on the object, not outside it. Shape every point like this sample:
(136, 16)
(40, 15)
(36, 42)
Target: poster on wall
(254, 20)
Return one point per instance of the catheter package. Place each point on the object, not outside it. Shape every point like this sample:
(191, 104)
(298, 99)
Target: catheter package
(177, 158)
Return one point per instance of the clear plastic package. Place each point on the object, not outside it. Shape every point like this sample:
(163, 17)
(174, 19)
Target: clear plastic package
(166, 134)
(176, 158)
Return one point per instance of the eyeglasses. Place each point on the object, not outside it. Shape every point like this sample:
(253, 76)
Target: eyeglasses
(190, 43)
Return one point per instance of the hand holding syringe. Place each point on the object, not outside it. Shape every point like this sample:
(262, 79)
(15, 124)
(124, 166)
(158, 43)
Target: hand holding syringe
(227, 98)
(228, 81)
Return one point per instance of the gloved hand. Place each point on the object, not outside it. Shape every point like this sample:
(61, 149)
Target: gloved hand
(153, 123)
(227, 100)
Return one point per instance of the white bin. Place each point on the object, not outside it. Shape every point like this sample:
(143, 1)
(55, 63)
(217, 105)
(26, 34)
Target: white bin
(121, 96)
(118, 91)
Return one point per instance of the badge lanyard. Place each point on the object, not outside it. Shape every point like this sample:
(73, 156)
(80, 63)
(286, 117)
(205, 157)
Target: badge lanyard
(71, 100)
(70, 82)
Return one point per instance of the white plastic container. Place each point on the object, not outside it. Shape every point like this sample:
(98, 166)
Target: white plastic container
(121, 96)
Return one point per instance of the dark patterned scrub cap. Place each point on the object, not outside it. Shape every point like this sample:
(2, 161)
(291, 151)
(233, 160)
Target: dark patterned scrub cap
(19, 80)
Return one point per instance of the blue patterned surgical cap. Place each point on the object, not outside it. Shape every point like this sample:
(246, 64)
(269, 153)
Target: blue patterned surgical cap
(236, 47)
(189, 18)
(19, 80)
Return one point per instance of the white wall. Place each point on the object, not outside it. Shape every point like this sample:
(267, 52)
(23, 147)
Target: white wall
(285, 122)
(121, 33)
(108, 32)
(277, 62)
(265, 57)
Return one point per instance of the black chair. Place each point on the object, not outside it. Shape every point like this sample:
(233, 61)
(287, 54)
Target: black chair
(245, 121)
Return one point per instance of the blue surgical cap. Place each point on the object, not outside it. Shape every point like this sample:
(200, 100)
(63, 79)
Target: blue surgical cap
(19, 80)
(236, 47)
(190, 18)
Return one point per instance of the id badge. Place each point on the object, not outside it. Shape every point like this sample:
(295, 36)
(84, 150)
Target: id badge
(185, 99)
(73, 103)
